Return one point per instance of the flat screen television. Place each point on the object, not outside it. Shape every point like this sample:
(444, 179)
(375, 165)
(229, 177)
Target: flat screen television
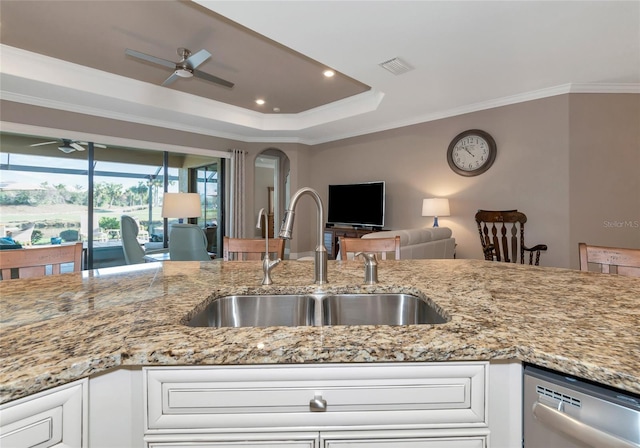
(357, 204)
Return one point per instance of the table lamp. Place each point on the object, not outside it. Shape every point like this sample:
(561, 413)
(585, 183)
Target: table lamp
(435, 207)
(181, 205)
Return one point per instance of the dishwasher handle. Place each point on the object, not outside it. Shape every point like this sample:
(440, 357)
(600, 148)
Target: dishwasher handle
(579, 431)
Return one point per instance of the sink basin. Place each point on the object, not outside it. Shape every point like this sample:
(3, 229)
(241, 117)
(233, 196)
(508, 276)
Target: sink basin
(316, 309)
(257, 311)
(378, 309)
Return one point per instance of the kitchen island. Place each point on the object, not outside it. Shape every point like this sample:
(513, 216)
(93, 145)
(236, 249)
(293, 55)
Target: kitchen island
(61, 328)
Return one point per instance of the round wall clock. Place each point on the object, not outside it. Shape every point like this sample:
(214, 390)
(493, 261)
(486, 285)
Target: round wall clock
(471, 152)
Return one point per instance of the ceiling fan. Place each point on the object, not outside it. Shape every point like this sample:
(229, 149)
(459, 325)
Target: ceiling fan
(67, 145)
(185, 68)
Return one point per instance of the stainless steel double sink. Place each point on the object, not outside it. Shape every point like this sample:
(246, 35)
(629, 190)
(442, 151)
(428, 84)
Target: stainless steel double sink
(316, 310)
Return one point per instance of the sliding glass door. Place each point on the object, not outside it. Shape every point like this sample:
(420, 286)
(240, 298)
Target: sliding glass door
(80, 195)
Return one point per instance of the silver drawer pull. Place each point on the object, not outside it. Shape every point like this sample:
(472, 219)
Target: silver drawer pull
(318, 404)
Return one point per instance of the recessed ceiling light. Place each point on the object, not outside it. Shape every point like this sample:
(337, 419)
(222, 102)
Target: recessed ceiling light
(329, 73)
(276, 109)
(260, 101)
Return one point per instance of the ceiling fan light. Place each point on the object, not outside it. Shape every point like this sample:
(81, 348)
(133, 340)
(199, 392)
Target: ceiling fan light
(183, 73)
(66, 149)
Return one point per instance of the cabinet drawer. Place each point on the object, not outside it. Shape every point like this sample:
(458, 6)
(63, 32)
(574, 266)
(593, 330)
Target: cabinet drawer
(52, 418)
(243, 444)
(445, 442)
(276, 440)
(392, 395)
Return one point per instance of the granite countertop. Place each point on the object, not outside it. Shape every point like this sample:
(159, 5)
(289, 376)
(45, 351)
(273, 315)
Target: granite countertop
(61, 328)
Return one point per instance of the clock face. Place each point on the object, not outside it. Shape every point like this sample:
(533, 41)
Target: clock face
(471, 153)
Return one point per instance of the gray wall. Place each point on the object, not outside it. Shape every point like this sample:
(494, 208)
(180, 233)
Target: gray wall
(569, 162)
(604, 181)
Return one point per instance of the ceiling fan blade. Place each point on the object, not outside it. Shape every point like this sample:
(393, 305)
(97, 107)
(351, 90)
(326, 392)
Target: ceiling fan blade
(76, 146)
(45, 143)
(96, 145)
(170, 79)
(211, 78)
(196, 59)
(149, 58)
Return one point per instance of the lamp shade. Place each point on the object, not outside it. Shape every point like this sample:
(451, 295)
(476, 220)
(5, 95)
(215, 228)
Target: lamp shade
(435, 207)
(181, 205)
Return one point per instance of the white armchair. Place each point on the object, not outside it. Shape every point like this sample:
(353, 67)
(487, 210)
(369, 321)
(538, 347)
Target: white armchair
(133, 252)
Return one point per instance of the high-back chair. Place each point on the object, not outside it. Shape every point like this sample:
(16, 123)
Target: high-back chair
(611, 260)
(188, 242)
(33, 262)
(502, 237)
(133, 251)
(245, 249)
(377, 245)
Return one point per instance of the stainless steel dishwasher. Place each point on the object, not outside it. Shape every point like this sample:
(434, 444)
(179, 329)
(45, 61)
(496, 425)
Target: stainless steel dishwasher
(561, 411)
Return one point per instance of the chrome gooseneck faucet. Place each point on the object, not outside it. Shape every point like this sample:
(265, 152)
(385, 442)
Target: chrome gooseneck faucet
(267, 264)
(287, 226)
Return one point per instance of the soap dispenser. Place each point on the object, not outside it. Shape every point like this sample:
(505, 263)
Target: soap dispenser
(370, 267)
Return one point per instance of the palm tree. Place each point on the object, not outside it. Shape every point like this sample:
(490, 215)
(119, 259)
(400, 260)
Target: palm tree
(155, 184)
(113, 192)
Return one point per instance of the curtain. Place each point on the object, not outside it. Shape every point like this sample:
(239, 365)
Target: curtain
(237, 193)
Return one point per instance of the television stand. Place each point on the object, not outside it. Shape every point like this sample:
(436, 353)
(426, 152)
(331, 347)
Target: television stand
(331, 235)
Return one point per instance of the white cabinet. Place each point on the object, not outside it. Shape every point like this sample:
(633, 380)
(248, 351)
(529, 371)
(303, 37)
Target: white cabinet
(213, 403)
(55, 417)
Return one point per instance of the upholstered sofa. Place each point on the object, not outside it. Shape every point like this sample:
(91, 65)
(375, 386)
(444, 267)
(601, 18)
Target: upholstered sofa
(429, 242)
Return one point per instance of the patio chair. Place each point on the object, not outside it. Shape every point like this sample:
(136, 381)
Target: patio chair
(23, 236)
(98, 234)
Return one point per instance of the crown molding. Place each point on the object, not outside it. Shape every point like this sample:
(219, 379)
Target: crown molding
(606, 88)
(563, 89)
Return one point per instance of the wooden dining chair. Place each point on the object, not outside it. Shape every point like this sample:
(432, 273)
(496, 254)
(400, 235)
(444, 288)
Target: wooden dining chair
(509, 245)
(33, 262)
(381, 246)
(246, 249)
(611, 260)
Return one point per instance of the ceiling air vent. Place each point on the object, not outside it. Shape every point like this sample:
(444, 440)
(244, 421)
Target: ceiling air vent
(396, 66)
